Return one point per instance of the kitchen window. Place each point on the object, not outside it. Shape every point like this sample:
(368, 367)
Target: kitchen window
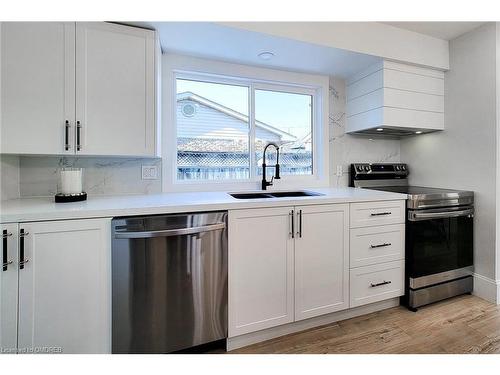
(223, 125)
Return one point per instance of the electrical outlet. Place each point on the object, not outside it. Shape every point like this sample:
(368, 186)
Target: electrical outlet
(339, 171)
(149, 172)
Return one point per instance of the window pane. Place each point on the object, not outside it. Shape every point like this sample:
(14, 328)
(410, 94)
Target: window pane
(285, 119)
(212, 131)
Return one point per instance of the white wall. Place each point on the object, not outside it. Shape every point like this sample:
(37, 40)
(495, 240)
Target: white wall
(497, 25)
(464, 155)
(372, 38)
(346, 148)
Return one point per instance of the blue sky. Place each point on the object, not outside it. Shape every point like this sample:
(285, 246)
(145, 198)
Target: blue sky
(288, 112)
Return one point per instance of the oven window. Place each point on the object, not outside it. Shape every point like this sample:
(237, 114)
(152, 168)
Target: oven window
(439, 245)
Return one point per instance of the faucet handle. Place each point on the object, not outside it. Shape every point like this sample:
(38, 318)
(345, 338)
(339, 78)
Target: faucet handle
(277, 172)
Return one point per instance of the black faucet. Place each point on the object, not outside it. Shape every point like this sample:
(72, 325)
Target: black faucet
(266, 183)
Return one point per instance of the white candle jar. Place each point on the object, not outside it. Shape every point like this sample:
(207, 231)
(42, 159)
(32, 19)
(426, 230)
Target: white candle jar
(71, 181)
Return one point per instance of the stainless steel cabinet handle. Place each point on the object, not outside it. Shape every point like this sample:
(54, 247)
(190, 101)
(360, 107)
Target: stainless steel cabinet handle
(5, 262)
(22, 261)
(78, 136)
(381, 213)
(170, 232)
(291, 215)
(380, 284)
(67, 146)
(381, 245)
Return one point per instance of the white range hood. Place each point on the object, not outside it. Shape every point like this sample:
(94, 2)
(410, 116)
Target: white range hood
(391, 99)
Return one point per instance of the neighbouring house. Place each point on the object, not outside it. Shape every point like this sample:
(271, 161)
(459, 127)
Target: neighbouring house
(213, 142)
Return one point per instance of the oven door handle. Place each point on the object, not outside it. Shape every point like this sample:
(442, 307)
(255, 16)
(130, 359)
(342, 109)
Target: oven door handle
(417, 216)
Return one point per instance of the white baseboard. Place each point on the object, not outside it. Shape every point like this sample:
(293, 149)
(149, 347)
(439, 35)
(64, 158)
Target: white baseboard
(271, 333)
(487, 288)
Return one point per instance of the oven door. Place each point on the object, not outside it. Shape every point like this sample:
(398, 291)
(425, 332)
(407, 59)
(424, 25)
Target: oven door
(439, 240)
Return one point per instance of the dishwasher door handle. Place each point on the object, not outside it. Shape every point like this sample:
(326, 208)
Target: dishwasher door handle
(169, 232)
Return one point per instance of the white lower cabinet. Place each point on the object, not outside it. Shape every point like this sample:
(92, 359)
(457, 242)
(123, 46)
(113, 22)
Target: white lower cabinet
(322, 260)
(286, 264)
(372, 245)
(377, 251)
(261, 269)
(377, 282)
(8, 288)
(64, 289)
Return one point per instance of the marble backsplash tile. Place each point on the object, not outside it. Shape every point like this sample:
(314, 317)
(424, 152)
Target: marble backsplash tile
(39, 176)
(9, 177)
(345, 148)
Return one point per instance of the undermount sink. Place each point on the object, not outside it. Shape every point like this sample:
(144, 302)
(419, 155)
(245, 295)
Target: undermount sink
(276, 194)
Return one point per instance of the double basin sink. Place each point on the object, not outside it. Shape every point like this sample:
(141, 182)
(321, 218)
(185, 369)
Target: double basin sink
(275, 194)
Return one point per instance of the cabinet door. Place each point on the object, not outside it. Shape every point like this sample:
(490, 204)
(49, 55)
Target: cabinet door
(321, 260)
(115, 90)
(260, 269)
(37, 87)
(8, 288)
(64, 288)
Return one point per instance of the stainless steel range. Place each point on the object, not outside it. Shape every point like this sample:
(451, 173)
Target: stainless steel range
(439, 233)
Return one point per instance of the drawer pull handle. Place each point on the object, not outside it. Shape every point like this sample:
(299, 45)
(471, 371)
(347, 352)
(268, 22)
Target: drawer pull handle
(381, 245)
(380, 284)
(381, 213)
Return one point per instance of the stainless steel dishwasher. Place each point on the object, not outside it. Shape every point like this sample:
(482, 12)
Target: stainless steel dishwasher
(169, 282)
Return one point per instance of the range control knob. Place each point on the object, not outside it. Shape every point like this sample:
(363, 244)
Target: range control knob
(403, 167)
(359, 168)
(398, 167)
(367, 168)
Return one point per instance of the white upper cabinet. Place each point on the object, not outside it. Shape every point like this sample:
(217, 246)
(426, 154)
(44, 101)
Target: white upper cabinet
(37, 87)
(115, 89)
(321, 260)
(84, 88)
(398, 98)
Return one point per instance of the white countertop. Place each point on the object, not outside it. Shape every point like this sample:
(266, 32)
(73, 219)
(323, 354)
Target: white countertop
(39, 209)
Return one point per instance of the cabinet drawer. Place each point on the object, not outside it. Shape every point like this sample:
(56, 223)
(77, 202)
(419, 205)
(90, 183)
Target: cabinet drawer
(368, 214)
(374, 245)
(376, 283)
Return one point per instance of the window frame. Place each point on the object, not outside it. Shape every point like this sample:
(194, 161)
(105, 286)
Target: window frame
(318, 91)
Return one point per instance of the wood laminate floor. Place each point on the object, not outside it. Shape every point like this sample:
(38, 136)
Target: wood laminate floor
(466, 324)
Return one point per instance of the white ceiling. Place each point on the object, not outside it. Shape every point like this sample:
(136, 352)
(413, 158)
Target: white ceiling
(209, 40)
(441, 30)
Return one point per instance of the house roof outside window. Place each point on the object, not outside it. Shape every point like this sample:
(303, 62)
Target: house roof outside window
(210, 135)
